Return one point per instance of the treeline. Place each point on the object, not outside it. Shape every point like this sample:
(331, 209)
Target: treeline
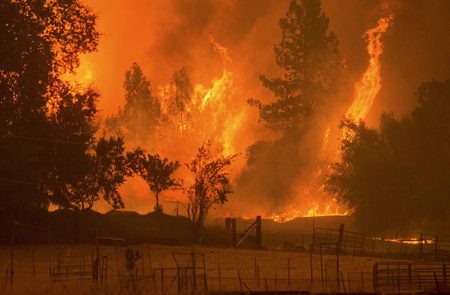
(397, 176)
(50, 151)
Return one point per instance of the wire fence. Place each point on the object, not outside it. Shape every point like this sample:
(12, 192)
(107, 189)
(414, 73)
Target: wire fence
(70, 269)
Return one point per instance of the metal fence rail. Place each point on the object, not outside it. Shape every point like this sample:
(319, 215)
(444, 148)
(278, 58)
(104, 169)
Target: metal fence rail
(414, 276)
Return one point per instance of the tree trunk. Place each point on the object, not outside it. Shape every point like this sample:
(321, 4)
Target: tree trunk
(199, 225)
(157, 207)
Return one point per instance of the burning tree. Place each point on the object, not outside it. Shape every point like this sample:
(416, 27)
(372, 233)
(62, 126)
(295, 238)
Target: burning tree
(178, 98)
(142, 111)
(211, 182)
(157, 173)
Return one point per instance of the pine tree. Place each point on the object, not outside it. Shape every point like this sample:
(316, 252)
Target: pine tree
(309, 57)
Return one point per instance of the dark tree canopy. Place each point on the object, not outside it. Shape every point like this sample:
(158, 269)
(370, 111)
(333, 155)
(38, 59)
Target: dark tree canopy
(211, 182)
(401, 170)
(41, 116)
(309, 56)
(141, 114)
(97, 176)
(157, 172)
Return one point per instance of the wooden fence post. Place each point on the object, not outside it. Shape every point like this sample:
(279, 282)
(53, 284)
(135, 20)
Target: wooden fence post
(233, 232)
(258, 232)
(340, 237)
(436, 248)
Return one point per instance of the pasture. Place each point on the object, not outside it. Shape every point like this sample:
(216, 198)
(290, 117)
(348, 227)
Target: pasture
(67, 269)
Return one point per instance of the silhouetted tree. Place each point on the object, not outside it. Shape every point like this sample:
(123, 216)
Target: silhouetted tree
(157, 173)
(310, 66)
(39, 41)
(211, 182)
(308, 54)
(141, 114)
(98, 176)
(400, 170)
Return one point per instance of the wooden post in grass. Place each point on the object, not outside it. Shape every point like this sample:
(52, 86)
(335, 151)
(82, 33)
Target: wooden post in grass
(340, 237)
(343, 282)
(258, 233)
(233, 232)
(436, 248)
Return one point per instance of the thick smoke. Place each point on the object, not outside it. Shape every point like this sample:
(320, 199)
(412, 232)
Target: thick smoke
(162, 36)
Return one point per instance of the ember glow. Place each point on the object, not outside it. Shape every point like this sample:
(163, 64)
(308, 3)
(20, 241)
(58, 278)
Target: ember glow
(408, 241)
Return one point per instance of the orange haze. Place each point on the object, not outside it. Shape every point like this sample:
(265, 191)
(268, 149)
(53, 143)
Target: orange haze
(225, 45)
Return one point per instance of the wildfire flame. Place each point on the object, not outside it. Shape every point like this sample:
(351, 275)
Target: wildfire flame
(368, 87)
(212, 114)
(332, 208)
(218, 119)
(409, 241)
(365, 91)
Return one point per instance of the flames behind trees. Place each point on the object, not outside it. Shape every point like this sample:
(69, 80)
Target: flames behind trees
(220, 84)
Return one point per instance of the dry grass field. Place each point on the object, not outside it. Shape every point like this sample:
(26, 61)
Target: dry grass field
(258, 270)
